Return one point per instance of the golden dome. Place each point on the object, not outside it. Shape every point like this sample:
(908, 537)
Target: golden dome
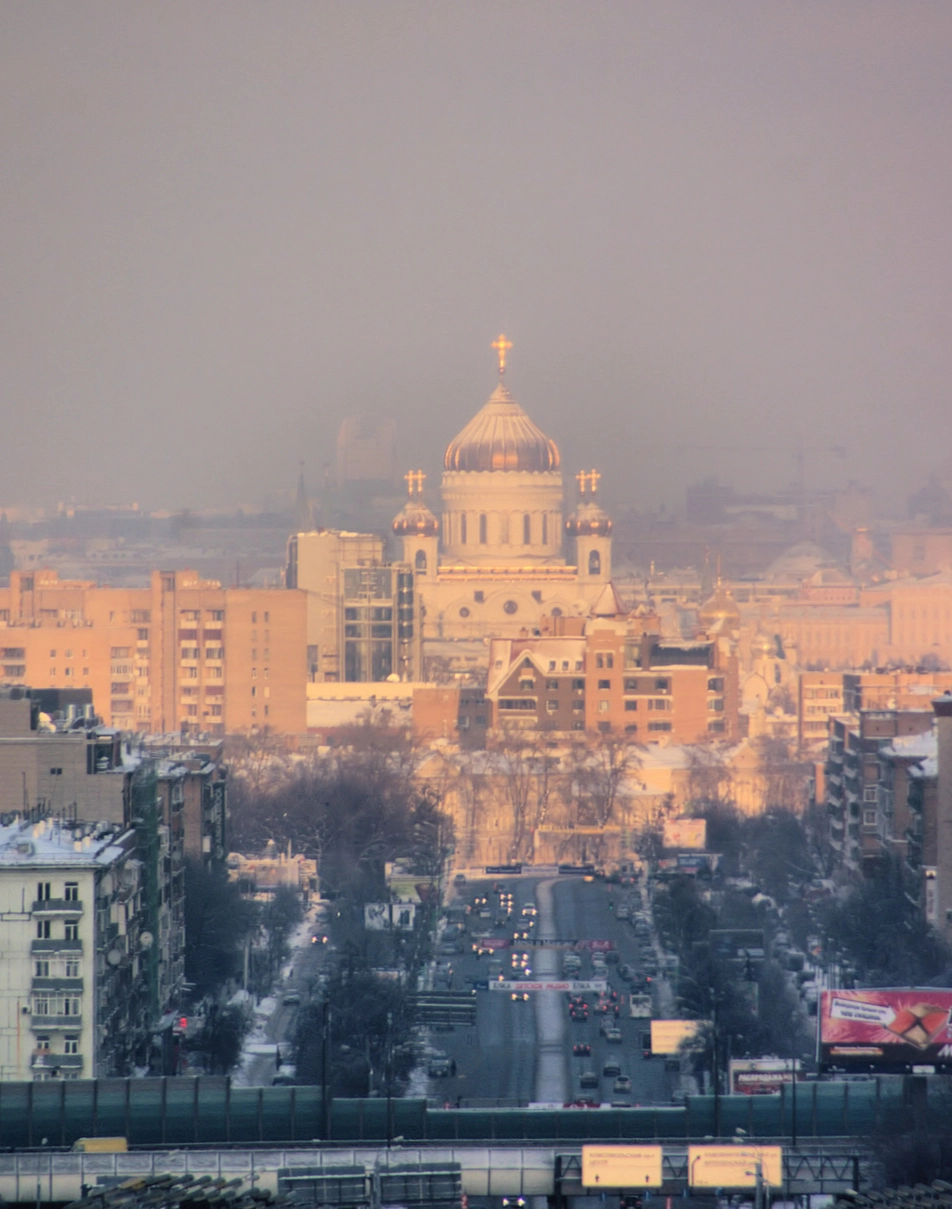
(720, 607)
(763, 646)
(588, 520)
(415, 520)
(501, 437)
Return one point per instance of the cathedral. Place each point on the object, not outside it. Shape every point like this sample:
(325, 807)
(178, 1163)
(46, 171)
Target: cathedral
(503, 557)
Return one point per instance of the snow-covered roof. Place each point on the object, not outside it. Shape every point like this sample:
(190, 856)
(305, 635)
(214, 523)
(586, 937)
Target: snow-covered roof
(916, 747)
(50, 842)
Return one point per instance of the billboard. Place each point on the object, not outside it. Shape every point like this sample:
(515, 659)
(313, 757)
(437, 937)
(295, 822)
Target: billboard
(685, 833)
(894, 1030)
(380, 917)
(762, 1076)
(737, 944)
(593, 986)
(621, 1166)
(734, 1166)
(667, 1036)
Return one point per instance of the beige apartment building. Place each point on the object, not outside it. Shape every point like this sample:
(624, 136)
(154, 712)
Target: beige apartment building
(184, 654)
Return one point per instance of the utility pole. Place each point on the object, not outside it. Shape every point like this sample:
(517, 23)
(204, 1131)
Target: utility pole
(325, 1106)
(714, 1071)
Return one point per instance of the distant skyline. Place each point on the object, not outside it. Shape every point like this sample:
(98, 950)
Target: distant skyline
(225, 226)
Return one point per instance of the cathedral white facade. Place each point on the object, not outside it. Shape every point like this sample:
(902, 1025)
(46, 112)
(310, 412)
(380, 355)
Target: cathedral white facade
(503, 557)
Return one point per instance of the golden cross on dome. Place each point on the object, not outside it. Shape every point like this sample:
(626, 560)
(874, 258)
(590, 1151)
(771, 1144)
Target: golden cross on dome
(502, 346)
(587, 479)
(414, 480)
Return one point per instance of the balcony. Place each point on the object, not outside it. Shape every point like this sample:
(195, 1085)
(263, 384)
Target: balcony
(48, 907)
(48, 983)
(45, 1023)
(43, 1059)
(48, 948)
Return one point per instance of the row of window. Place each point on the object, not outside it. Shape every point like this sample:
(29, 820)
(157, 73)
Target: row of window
(70, 1044)
(58, 967)
(44, 930)
(46, 1004)
(44, 890)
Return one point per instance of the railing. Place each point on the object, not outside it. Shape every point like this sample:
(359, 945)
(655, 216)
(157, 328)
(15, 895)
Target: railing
(57, 906)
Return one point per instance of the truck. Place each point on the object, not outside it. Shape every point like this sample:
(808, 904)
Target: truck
(639, 1007)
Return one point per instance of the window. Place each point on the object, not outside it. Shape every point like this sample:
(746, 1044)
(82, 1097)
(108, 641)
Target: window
(71, 892)
(556, 611)
(869, 793)
(578, 705)
(215, 614)
(72, 967)
(189, 614)
(43, 891)
(545, 528)
(215, 711)
(578, 726)
(420, 562)
(599, 660)
(715, 704)
(462, 528)
(594, 563)
(72, 1005)
(71, 929)
(43, 1043)
(631, 728)
(510, 607)
(606, 684)
(525, 683)
(656, 726)
(603, 707)
(609, 659)
(71, 1044)
(526, 530)
(464, 612)
(42, 929)
(42, 969)
(659, 703)
(716, 725)
(479, 596)
(267, 619)
(517, 703)
(662, 685)
(631, 706)
(552, 706)
(579, 686)
(120, 652)
(482, 529)
(551, 684)
(631, 684)
(604, 727)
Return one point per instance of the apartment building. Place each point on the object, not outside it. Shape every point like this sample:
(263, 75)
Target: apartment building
(819, 697)
(184, 654)
(615, 674)
(73, 999)
(858, 830)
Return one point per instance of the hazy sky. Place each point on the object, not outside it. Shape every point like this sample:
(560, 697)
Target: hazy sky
(225, 225)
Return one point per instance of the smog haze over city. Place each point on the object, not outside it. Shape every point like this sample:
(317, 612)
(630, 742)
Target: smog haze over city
(712, 232)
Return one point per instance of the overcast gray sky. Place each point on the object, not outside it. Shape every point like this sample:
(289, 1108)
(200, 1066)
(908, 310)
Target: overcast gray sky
(225, 225)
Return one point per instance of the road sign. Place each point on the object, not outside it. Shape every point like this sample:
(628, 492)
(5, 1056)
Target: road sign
(446, 1007)
(562, 985)
(621, 1166)
(734, 1166)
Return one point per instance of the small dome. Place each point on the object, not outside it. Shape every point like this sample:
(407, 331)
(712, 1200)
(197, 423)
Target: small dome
(501, 437)
(415, 520)
(720, 607)
(588, 520)
(762, 646)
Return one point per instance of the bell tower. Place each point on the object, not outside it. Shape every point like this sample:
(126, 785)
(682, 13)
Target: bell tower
(589, 528)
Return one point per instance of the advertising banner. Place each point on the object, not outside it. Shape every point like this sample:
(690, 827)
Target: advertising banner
(594, 986)
(894, 1030)
(667, 1036)
(621, 1166)
(762, 1076)
(685, 833)
(379, 917)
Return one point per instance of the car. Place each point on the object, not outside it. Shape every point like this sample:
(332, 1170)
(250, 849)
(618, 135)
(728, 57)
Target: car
(622, 1084)
(520, 996)
(588, 1078)
(583, 1102)
(319, 938)
(625, 971)
(459, 879)
(528, 909)
(439, 1068)
(291, 998)
(485, 913)
(612, 957)
(623, 913)
(582, 1049)
(284, 1078)
(611, 1067)
(613, 1035)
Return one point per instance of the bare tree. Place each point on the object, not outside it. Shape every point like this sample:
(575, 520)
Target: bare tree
(600, 764)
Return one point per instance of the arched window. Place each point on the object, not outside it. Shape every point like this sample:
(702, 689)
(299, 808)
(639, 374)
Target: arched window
(545, 528)
(462, 528)
(482, 528)
(421, 561)
(594, 563)
(526, 531)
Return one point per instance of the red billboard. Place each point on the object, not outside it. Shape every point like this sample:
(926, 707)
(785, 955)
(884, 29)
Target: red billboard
(893, 1030)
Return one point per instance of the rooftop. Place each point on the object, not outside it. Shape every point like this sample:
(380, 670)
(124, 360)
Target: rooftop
(56, 842)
